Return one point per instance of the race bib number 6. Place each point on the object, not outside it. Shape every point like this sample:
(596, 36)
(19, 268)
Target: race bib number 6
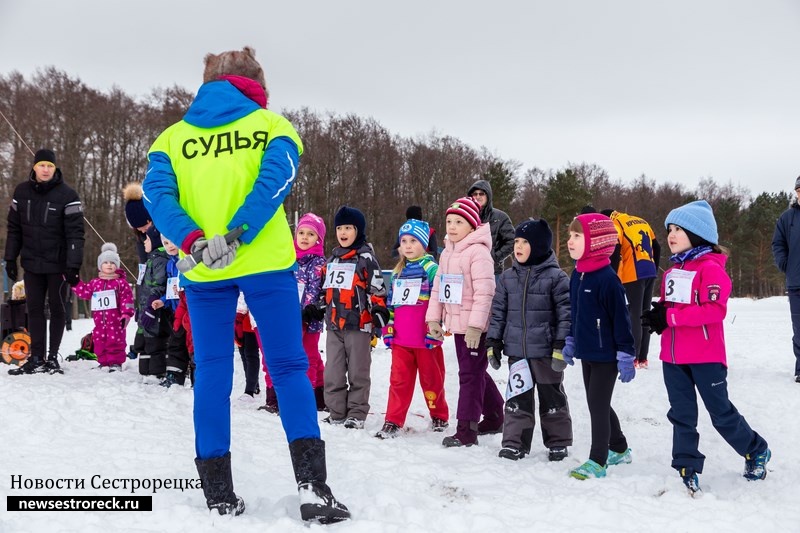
(339, 276)
(450, 288)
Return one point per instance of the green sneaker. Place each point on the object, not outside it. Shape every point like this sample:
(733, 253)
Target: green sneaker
(615, 458)
(587, 470)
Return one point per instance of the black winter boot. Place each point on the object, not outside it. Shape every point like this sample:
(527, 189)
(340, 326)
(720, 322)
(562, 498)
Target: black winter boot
(316, 501)
(215, 474)
(319, 396)
(31, 366)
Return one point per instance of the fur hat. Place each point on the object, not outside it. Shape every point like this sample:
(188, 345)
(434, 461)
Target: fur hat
(234, 63)
(418, 229)
(314, 222)
(600, 235)
(697, 218)
(537, 232)
(135, 212)
(44, 154)
(108, 252)
(467, 208)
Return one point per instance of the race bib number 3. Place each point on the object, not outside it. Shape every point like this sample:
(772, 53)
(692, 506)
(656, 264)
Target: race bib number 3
(520, 379)
(678, 286)
(339, 276)
(406, 291)
(104, 300)
(450, 288)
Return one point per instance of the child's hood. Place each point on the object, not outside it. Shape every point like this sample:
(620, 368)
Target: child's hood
(480, 237)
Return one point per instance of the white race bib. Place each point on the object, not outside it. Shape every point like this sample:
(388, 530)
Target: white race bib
(301, 290)
(406, 291)
(450, 288)
(520, 379)
(340, 276)
(140, 277)
(104, 300)
(678, 286)
(173, 287)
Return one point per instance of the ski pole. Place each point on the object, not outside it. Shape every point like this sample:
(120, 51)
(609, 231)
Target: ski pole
(190, 261)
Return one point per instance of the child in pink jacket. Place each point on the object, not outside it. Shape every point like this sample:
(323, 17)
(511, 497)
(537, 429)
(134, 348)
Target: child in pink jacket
(112, 308)
(693, 304)
(461, 298)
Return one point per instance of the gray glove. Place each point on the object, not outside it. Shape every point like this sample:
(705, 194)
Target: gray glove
(436, 331)
(472, 338)
(216, 252)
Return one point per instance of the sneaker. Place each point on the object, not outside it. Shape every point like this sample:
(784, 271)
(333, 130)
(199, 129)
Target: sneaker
(615, 458)
(557, 453)
(389, 431)
(587, 470)
(692, 482)
(30, 367)
(328, 420)
(115, 368)
(438, 425)
(511, 453)
(755, 467)
(352, 422)
(52, 366)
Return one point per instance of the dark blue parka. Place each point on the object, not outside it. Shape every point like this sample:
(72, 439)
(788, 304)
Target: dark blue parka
(786, 245)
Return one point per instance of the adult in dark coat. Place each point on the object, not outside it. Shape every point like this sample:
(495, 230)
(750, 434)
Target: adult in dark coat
(45, 228)
(786, 251)
(499, 223)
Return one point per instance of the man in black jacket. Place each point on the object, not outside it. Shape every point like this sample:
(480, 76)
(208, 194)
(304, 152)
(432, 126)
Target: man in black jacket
(786, 251)
(45, 227)
(499, 224)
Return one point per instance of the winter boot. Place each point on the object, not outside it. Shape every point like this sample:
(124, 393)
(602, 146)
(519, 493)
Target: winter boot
(170, 380)
(52, 365)
(617, 458)
(32, 366)
(316, 501)
(215, 474)
(557, 453)
(691, 482)
(438, 425)
(272, 402)
(466, 435)
(389, 431)
(755, 466)
(319, 396)
(490, 426)
(511, 453)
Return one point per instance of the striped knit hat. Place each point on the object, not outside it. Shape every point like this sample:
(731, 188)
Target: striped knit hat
(467, 208)
(418, 229)
(600, 235)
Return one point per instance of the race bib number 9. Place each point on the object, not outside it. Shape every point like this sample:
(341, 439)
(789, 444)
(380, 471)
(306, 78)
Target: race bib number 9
(406, 291)
(450, 288)
(339, 276)
(678, 286)
(104, 300)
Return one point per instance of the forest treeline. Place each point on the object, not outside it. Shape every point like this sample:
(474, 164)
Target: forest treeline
(102, 137)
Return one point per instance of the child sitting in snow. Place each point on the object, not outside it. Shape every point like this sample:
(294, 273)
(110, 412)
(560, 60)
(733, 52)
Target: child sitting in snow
(112, 308)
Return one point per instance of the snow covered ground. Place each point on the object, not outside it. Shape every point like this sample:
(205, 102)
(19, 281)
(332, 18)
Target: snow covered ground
(88, 422)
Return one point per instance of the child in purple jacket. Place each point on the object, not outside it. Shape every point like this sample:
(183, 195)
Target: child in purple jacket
(693, 304)
(112, 308)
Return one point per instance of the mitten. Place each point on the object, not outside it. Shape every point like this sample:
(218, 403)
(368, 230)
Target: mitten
(494, 352)
(312, 313)
(472, 338)
(568, 351)
(388, 335)
(656, 318)
(435, 331)
(148, 320)
(431, 342)
(123, 322)
(72, 275)
(380, 316)
(625, 367)
(216, 252)
(11, 270)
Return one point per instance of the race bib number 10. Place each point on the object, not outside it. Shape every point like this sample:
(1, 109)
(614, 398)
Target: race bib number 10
(104, 300)
(339, 276)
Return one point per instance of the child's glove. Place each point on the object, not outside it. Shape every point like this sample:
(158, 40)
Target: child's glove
(380, 316)
(625, 366)
(494, 352)
(312, 313)
(216, 252)
(568, 351)
(472, 338)
(435, 331)
(656, 318)
(388, 335)
(431, 342)
(558, 363)
(123, 322)
(148, 320)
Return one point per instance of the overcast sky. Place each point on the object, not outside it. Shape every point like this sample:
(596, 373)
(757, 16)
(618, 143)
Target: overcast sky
(677, 89)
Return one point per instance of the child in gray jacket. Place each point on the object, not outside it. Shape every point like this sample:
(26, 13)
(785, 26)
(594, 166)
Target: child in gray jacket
(530, 320)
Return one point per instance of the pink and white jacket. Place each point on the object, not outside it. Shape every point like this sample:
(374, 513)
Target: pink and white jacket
(470, 257)
(695, 331)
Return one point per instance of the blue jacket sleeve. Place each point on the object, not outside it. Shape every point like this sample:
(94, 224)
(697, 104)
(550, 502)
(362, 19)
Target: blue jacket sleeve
(161, 196)
(275, 179)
